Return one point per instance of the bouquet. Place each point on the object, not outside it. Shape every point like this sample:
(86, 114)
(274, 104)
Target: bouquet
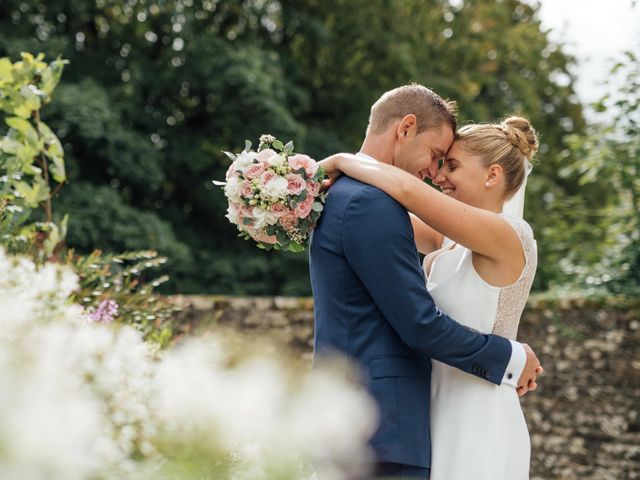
(274, 194)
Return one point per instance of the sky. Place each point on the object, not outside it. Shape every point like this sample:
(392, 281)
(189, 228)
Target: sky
(595, 31)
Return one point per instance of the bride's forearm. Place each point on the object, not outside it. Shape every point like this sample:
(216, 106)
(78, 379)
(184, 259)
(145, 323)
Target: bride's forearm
(480, 230)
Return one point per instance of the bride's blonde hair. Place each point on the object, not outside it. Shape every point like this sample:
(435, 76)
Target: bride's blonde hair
(509, 144)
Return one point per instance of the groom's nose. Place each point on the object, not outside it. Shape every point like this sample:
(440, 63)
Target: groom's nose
(432, 172)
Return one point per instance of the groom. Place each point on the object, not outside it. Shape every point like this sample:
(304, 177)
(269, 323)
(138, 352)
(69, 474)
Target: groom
(371, 301)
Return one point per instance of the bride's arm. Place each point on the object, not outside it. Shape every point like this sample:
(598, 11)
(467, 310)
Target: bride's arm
(482, 231)
(427, 239)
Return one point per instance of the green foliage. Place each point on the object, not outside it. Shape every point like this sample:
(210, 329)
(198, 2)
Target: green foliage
(155, 90)
(118, 277)
(31, 161)
(606, 215)
(102, 219)
(31, 156)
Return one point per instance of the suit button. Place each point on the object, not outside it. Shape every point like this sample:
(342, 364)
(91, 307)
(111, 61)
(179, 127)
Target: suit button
(510, 376)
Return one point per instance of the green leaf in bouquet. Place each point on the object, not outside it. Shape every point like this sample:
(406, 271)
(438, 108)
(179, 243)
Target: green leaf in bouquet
(277, 144)
(296, 247)
(265, 246)
(281, 236)
(230, 155)
(288, 148)
(247, 145)
(317, 206)
(303, 196)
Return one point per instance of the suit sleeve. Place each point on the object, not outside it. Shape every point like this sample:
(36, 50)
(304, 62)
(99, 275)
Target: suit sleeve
(379, 245)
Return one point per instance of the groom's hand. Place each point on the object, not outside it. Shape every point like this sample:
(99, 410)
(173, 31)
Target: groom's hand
(532, 369)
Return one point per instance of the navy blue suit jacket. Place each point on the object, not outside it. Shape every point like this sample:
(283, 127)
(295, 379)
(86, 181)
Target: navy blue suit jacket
(372, 305)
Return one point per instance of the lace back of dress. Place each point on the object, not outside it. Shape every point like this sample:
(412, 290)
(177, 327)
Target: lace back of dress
(513, 298)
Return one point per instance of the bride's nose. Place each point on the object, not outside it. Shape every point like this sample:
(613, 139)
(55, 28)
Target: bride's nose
(440, 177)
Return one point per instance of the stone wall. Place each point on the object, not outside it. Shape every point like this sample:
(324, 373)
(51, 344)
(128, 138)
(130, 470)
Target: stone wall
(584, 418)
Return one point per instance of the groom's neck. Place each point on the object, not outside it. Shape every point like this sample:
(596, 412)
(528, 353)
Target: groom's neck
(378, 147)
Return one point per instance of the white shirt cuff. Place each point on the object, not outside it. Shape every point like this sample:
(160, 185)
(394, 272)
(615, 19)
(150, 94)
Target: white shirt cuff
(516, 364)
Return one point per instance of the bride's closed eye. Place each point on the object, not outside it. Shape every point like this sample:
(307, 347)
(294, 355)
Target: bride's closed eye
(451, 165)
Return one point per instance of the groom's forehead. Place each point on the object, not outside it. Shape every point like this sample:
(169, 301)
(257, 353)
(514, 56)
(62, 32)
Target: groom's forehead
(443, 140)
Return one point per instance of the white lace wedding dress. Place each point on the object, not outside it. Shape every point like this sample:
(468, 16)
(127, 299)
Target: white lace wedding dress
(478, 429)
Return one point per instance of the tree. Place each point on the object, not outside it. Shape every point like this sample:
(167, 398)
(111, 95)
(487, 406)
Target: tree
(156, 90)
(607, 166)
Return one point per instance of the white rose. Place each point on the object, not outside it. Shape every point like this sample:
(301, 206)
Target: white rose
(263, 218)
(232, 190)
(244, 160)
(277, 161)
(275, 189)
(233, 214)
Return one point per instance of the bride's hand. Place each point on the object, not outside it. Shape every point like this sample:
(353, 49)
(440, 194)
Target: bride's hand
(331, 167)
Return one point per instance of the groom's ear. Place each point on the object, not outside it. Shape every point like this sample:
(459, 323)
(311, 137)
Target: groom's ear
(407, 125)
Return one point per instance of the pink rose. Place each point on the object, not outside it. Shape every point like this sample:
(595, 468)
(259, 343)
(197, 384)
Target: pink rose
(289, 221)
(295, 184)
(246, 211)
(246, 189)
(313, 188)
(267, 177)
(261, 237)
(254, 171)
(304, 208)
(299, 161)
(279, 209)
(265, 155)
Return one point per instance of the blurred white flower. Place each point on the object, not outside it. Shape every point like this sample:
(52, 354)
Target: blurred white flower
(84, 400)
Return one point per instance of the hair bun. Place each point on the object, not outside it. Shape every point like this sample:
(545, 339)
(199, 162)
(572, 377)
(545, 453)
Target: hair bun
(521, 134)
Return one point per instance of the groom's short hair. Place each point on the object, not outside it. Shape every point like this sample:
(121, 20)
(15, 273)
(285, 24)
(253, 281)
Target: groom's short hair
(430, 109)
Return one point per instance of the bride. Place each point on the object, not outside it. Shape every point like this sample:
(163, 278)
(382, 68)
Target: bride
(480, 261)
